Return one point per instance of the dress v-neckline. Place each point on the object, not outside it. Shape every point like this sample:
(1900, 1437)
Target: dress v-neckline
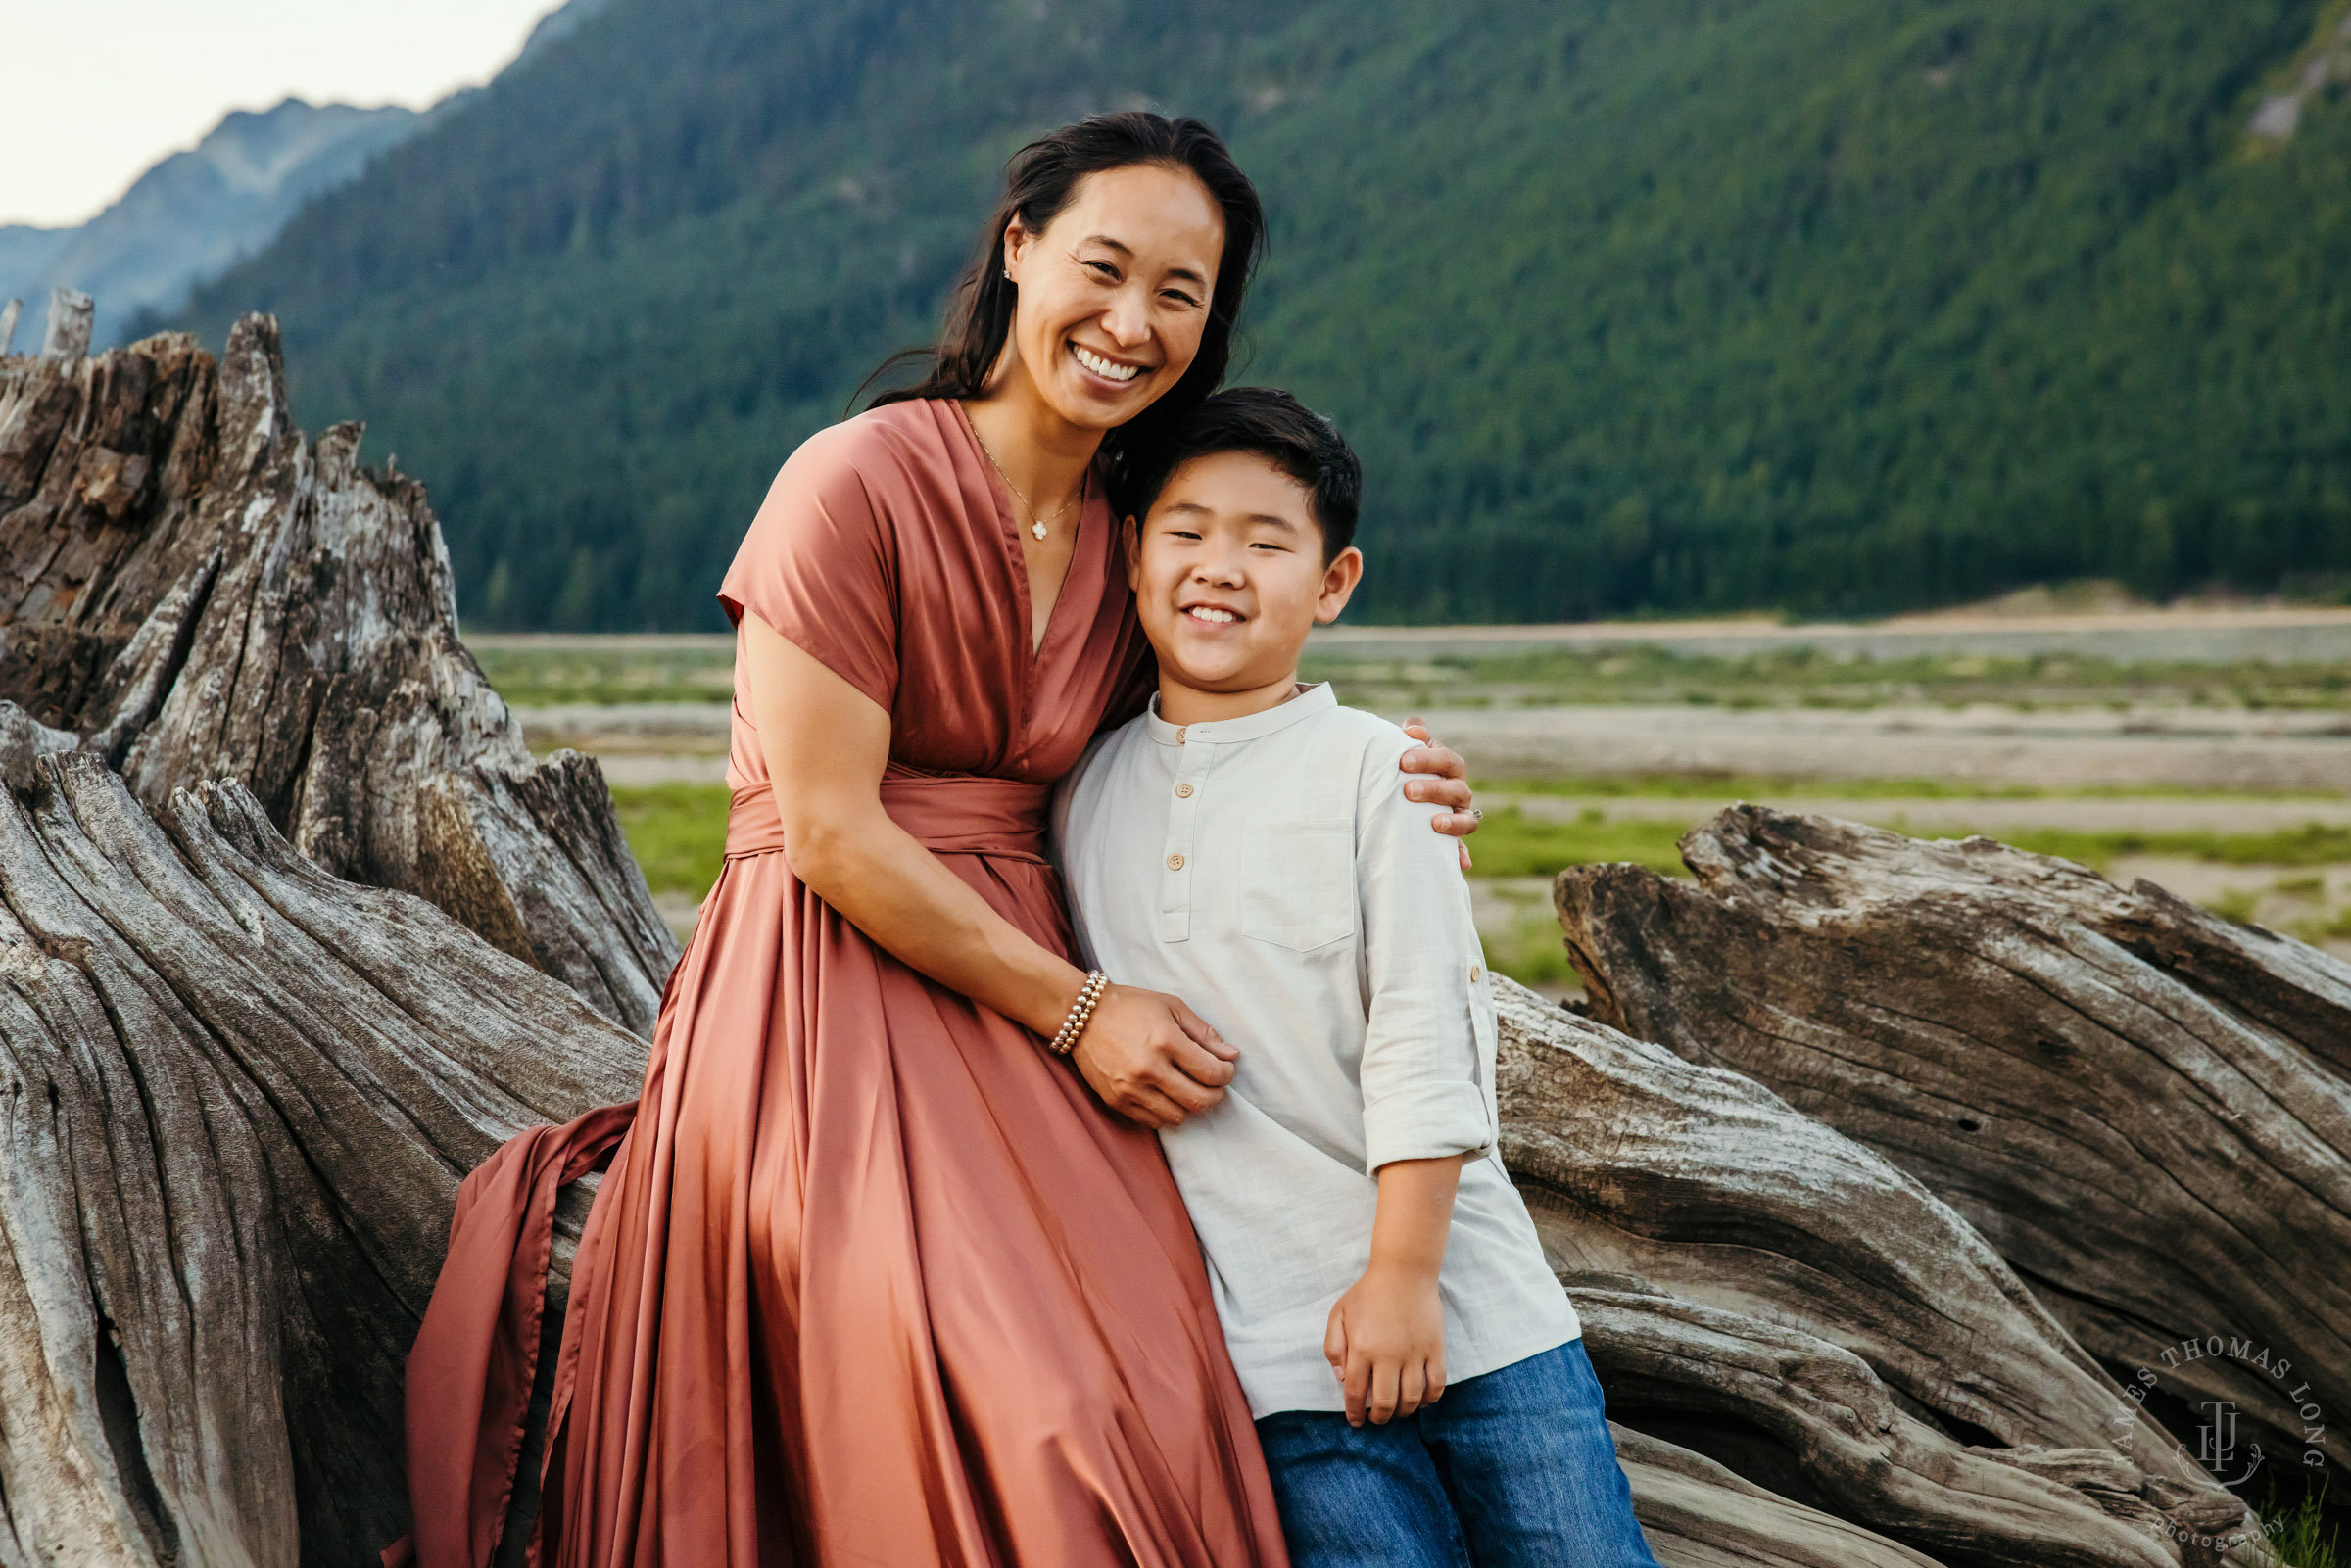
(1035, 639)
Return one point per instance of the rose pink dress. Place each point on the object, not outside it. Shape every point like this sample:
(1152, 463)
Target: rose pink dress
(873, 1279)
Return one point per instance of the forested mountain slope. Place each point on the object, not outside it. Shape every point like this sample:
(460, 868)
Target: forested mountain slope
(1837, 305)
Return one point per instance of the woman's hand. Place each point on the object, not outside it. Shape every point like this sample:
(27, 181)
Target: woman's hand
(1151, 1059)
(1442, 777)
(1147, 1055)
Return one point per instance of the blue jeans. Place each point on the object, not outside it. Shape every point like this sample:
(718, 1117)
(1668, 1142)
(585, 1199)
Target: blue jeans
(1515, 1469)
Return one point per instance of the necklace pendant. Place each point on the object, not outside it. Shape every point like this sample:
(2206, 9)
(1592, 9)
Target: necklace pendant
(1038, 529)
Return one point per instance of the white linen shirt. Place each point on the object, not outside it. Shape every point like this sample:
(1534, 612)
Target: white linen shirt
(1270, 871)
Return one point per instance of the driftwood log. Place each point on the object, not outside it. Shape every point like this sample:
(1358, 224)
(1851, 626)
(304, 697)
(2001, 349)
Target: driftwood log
(1763, 1291)
(242, 1092)
(2143, 1108)
(292, 932)
(189, 590)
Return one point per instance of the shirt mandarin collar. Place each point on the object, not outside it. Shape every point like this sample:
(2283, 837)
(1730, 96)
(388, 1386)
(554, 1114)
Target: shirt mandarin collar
(1317, 698)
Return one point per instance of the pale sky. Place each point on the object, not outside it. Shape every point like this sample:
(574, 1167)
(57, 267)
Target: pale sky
(99, 89)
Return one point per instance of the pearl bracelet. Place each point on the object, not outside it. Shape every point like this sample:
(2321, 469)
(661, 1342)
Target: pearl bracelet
(1081, 1012)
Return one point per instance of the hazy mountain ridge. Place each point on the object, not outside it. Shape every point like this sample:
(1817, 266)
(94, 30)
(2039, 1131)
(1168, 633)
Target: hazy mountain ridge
(195, 213)
(1831, 303)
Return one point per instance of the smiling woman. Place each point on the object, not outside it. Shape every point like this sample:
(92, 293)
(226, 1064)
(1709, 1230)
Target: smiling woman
(875, 1274)
(1161, 334)
(1101, 311)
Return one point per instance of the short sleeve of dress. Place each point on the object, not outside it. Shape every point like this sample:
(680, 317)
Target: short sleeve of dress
(819, 563)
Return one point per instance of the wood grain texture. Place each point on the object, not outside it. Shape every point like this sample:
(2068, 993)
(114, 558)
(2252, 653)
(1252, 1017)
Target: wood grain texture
(2144, 1108)
(189, 589)
(240, 1095)
(71, 315)
(1701, 1515)
(1762, 1288)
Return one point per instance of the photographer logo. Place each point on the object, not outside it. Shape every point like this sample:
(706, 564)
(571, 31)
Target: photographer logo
(2221, 1451)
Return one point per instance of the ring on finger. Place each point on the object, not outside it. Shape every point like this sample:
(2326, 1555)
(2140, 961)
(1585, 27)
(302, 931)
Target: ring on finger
(1477, 814)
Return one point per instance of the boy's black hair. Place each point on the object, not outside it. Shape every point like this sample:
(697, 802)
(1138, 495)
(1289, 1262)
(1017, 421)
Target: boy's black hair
(1274, 425)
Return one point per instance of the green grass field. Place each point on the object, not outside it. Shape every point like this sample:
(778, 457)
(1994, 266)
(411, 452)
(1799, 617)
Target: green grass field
(1511, 843)
(1812, 678)
(541, 677)
(677, 832)
(1717, 788)
(2290, 877)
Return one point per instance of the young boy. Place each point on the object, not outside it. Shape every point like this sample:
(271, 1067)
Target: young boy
(1243, 847)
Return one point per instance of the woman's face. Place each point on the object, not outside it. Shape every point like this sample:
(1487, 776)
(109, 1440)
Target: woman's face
(1113, 292)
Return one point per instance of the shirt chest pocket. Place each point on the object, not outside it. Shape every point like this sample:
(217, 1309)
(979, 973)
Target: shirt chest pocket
(1297, 882)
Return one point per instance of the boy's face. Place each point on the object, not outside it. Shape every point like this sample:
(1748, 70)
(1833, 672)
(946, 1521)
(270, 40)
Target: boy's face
(1228, 574)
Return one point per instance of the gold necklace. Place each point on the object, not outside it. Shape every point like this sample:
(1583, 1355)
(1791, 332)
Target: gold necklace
(1036, 524)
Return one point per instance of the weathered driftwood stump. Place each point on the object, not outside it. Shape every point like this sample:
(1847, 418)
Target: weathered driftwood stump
(2144, 1108)
(190, 591)
(237, 1097)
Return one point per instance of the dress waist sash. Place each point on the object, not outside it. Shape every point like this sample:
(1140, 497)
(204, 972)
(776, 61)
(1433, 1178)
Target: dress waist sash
(948, 813)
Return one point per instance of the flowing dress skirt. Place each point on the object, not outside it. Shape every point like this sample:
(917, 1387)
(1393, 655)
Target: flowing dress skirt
(873, 1279)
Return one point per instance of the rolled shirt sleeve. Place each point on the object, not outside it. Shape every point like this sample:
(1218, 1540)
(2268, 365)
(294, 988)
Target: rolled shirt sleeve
(1426, 1078)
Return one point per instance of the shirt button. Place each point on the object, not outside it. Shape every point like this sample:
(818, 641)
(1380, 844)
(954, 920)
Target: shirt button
(1476, 975)
(1175, 863)
(1183, 791)
(1180, 729)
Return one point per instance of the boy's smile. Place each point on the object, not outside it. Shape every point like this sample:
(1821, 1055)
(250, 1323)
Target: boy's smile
(1228, 576)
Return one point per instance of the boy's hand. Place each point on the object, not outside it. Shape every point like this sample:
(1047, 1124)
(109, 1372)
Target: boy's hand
(1151, 1059)
(1386, 1342)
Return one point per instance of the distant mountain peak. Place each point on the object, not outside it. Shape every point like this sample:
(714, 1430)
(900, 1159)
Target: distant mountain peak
(261, 151)
(197, 212)
(558, 23)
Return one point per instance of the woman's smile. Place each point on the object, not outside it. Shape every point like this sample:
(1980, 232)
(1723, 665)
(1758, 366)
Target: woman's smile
(1102, 365)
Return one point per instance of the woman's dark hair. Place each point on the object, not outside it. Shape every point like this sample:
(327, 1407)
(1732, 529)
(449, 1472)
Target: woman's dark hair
(1039, 183)
(1275, 426)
